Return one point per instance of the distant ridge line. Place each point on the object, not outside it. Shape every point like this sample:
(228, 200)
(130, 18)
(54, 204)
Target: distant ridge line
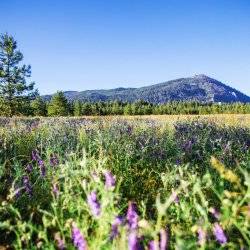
(199, 88)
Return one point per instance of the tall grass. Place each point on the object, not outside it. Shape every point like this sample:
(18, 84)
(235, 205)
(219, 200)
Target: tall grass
(124, 184)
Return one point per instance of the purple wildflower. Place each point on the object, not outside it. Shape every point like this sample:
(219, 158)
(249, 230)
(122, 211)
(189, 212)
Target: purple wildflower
(174, 197)
(29, 168)
(78, 239)
(132, 216)
(153, 245)
(219, 234)
(53, 160)
(35, 155)
(109, 179)
(178, 162)
(60, 242)
(163, 239)
(187, 146)
(163, 244)
(94, 204)
(114, 227)
(201, 236)
(17, 192)
(42, 167)
(133, 241)
(27, 185)
(55, 189)
(215, 213)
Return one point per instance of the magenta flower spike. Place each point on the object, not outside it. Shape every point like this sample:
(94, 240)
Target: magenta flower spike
(27, 185)
(78, 239)
(153, 245)
(55, 190)
(132, 216)
(114, 227)
(109, 180)
(94, 204)
(163, 239)
(219, 234)
(42, 167)
(133, 241)
(201, 236)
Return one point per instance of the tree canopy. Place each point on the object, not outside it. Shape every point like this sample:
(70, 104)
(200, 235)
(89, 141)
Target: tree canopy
(15, 91)
(58, 105)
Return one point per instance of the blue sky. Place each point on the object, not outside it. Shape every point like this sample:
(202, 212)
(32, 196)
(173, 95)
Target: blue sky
(79, 45)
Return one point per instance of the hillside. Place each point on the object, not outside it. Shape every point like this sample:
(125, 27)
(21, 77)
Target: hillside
(199, 87)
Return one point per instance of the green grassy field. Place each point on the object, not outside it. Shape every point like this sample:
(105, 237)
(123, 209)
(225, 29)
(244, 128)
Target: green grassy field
(148, 182)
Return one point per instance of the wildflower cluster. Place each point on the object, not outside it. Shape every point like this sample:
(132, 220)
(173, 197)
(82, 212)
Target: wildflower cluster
(116, 184)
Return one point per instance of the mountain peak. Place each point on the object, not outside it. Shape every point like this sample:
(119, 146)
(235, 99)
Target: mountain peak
(201, 76)
(199, 88)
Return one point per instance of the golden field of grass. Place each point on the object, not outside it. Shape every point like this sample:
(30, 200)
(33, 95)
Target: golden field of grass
(238, 120)
(220, 119)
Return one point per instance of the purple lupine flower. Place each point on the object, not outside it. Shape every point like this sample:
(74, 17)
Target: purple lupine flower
(132, 216)
(219, 234)
(109, 179)
(114, 227)
(27, 185)
(188, 145)
(60, 242)
(215, 213)
(94, 204)
(153, 245)
(54, 161)
(42, 167)
(35, 155)
(55, 190)
(162, 244)
(17, 192)
(174, 197)
(201, 236)
(78, 239)
(133, 241)
(29, 168)
(163, 239)
(178, 162)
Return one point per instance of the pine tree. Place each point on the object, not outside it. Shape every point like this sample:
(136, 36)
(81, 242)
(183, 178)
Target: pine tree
(39, 107)
(15, 92)
(86, 109)
(58, 105)
(77, 108)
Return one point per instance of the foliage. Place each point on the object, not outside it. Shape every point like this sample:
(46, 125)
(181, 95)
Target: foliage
(68, 183)
(77, 108)
(38, 107)
(15, 93)
(170, 108)
(58, 105)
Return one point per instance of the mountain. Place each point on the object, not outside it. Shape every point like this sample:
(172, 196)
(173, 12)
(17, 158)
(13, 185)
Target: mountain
(199, 87)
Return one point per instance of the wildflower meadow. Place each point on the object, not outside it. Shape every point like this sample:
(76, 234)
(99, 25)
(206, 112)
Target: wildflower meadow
(124, 183)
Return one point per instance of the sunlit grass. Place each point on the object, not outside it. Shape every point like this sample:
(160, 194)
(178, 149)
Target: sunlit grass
(148, 182)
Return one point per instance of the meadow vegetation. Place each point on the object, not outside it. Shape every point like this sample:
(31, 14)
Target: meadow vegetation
(124, 183)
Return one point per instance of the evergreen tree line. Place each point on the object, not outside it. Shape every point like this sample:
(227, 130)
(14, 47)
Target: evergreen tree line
(59, 106)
